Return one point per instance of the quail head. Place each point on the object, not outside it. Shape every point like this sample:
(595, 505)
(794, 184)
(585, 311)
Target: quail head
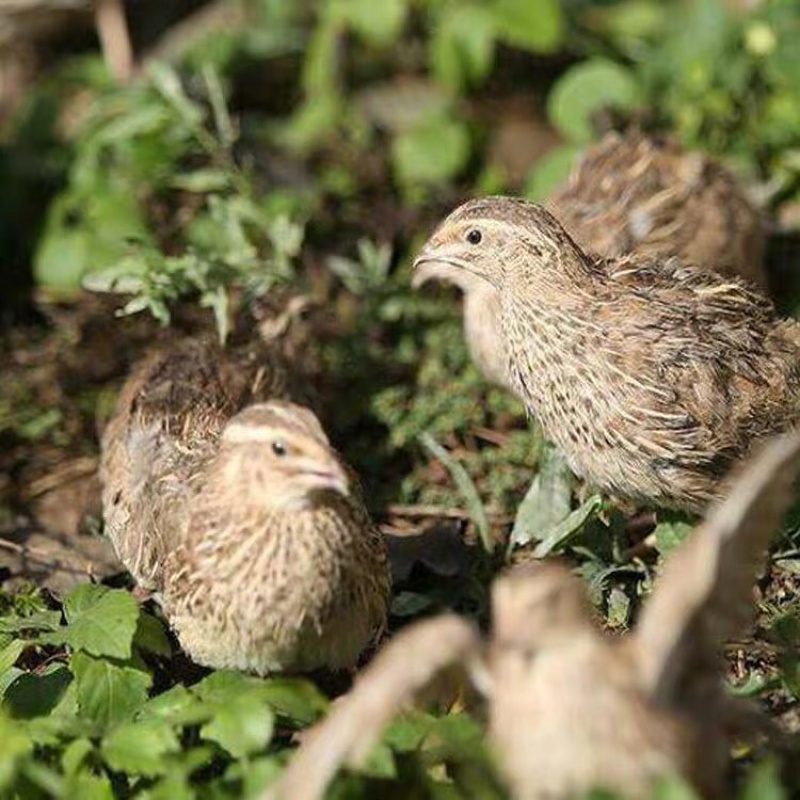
(652, 377)
(227, 500)
(571, 708)
(631, 194)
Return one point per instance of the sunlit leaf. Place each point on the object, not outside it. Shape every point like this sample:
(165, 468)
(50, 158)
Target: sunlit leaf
(588, 87)
(139, 747)
(108, 692)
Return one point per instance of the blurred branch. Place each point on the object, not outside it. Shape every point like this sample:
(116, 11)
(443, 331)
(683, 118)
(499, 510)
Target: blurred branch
(115, 40)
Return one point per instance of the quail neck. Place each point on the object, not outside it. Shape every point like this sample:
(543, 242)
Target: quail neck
(652, 376)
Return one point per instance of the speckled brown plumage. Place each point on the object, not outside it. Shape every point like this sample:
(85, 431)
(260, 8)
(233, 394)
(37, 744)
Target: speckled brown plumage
(227, 499)
(653, 377)
(634, 194)
(569, 707)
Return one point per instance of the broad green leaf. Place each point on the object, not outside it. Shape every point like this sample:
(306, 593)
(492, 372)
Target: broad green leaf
(87, 786)
(176, 706)
(377, 23)
(151, 636)
(764, 783)
(86, 232)
(673, 787)
(672, 529)
(462, 45)
(547, 502)
(101, 621)
(588, 87)
(241, 726)
(568, 528)
(465, 485)
(433, 152)
(532, 24)
(294, 698)
(139, 748)
(108, 692)
(36, 694)
(15, 746)
(10, 653)
(549, 171)
(38, 621)
(74, 755)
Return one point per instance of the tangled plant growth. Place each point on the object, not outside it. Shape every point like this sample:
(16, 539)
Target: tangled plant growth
(184, 190)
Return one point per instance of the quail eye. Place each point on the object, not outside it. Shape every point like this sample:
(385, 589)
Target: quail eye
(279, 448)
(474, 236)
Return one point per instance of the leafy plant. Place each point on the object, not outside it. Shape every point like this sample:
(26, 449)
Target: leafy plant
(152, 143)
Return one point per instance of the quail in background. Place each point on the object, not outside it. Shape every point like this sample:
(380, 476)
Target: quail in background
(653, 377)
(571, 708)
(227, 500)
(631, 193)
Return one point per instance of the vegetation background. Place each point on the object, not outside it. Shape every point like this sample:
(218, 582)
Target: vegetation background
(276, 149)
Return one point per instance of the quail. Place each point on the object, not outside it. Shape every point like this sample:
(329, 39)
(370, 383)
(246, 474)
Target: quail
(653, 377)
(632, 193)
(226, 499)
(571, 708)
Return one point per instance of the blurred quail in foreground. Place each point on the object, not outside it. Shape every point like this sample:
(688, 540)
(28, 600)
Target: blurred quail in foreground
(229, 502)
(571, 708)
(632, 193)
(652, 377)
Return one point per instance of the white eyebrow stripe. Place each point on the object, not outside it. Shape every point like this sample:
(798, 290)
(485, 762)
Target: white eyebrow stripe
(241, 433)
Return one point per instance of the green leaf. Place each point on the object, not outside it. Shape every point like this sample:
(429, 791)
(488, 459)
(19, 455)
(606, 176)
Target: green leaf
(534, 25)
(294, 698)
(108, 692)
(10, 653)
(569, 527)
(432, 152)
(673, 787)
(547, 502)
(38, 621)
(588, 87)
(74, 755)
(87, 786)
(465, 485)
(462, 45)
(672, 529)
(15, 746)
(36, 694)
(764, 783)
(241, 726)
(241, 720)
(151, 636)
(176, 706)
(549, 171)
(101, 621)
(139, 748)
(85, 233)
(377, 23)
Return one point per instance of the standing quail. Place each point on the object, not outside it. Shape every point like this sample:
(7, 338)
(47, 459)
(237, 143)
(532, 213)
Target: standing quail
(653, 377)
(229, 502)
(571, 708)
(632, 193)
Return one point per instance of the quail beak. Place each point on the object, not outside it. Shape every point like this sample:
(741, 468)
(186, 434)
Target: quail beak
(328, 476)
(429, 266)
